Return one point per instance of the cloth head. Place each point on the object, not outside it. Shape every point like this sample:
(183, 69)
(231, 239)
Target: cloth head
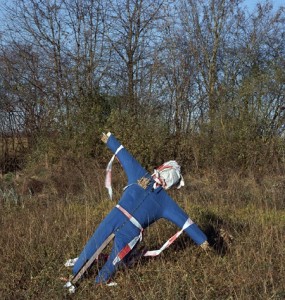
(168, 175)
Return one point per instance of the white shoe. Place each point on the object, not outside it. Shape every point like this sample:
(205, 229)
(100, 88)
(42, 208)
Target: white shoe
(70, 287)
(112, 283)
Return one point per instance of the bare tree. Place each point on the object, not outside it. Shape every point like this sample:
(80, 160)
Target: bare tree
(209, 25)
(68, 40)
(261, 86)
(132, 34)
(87, 50)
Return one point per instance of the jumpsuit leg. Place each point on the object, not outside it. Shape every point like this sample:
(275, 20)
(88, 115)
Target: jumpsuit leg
(122, 238)
(108, 269)
(104, 230)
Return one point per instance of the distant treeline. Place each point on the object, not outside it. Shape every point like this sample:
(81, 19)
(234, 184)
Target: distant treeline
(202, 82)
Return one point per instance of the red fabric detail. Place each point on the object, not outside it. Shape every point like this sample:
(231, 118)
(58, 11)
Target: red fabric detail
(162, 167)
(124, 252)
(127, 214)
(172, 239)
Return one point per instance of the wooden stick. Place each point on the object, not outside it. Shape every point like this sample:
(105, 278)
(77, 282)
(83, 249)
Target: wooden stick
(91, 260)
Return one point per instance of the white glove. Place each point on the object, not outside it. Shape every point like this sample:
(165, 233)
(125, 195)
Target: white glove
(71, 262)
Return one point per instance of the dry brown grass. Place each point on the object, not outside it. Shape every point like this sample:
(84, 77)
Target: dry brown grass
(39, 232)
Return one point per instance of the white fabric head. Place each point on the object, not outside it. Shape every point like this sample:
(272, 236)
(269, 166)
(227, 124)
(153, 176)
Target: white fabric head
(168, 175)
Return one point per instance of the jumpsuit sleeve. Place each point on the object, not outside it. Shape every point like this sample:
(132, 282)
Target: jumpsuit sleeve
(176, 215)
(131, 166)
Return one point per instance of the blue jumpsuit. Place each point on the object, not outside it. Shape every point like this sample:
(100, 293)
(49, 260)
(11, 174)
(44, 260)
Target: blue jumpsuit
(145, 205)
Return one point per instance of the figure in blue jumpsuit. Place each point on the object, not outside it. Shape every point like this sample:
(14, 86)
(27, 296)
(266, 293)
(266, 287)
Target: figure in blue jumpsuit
(145, 204)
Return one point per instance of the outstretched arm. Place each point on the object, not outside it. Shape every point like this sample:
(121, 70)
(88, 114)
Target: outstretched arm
(174, 213)
(131, 166)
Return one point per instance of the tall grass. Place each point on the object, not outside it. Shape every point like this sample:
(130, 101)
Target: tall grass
(248, 261)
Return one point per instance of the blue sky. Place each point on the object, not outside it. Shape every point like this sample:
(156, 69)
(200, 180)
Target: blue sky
(249, 3)
(252, 3)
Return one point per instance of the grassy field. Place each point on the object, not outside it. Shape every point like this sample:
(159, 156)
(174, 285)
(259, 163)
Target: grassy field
(243, 217)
